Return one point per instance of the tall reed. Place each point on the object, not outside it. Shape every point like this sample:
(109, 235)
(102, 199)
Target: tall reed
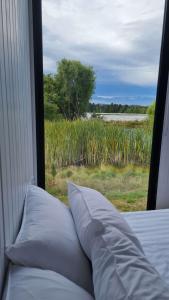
(95, 142)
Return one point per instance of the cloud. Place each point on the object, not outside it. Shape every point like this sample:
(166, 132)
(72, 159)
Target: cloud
(119, 38)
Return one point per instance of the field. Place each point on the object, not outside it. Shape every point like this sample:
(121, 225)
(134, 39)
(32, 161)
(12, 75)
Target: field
(110, 157)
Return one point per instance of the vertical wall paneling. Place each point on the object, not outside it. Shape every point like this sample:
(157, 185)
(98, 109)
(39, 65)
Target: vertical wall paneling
(17, 118)
(2, 244)
(32, 76)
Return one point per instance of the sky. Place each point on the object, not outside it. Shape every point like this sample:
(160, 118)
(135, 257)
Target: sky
(121, 39)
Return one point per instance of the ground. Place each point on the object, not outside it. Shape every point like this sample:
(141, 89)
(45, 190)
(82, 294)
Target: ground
(125, 187)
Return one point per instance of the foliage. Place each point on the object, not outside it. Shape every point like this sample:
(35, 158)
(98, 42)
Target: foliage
(112, 158)
(50, 90)
(51, 111)
(124, 187)
(117, 108)
(95, 142)
(75, 84)
(53, 170)
(70, 89)
(151, 112)
(151, 109)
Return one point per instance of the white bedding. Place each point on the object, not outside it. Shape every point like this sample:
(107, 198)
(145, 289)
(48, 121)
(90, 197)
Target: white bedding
(152, 229)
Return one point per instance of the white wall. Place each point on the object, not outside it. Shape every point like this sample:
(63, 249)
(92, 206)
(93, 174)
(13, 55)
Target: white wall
(163, 180)
(16, 129)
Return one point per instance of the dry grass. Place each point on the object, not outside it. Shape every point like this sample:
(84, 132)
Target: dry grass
(125, 187)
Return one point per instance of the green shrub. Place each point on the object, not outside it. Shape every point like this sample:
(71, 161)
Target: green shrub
(51, 112)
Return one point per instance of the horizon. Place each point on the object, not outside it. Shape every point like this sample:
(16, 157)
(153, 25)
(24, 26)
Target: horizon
(121, 40)
(123, 100)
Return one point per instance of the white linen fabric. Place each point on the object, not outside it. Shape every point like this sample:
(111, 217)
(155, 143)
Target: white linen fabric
(120, 268)
(48, 240)
(31, 283)
(152, 230)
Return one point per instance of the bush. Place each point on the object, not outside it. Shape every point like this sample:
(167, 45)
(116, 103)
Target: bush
(51, 112)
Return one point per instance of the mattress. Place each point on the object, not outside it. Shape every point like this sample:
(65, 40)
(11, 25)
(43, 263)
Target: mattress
(152, 229)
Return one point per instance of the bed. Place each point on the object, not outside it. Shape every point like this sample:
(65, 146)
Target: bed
(91, 232)
(105, 238)
(152, 229)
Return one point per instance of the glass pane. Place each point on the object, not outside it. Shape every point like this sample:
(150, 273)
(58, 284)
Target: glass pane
(101, 61)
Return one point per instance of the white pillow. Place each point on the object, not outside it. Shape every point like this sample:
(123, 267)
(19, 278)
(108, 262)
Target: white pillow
(48, 240)
(30, 284)
(120, 268)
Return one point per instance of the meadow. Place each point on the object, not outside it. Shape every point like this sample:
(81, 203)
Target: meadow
(112, 157)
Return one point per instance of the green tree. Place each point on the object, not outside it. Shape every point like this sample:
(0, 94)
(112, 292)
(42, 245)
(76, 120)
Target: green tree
(51, 109)
(151, 109)
(151, 113)
(50, 91)
(74, 86)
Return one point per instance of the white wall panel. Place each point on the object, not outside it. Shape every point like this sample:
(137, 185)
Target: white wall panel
(16, 118)
(163, 180)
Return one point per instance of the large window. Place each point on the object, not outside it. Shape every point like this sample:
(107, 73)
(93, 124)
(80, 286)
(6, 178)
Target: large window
(101, 61)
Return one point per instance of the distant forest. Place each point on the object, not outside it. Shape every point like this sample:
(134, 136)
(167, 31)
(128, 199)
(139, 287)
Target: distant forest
(116, 108)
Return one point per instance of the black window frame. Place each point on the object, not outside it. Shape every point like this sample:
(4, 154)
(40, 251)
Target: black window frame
(38, 84)
(159, 112)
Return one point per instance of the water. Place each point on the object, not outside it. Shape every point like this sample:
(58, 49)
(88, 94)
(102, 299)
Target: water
(120, 117)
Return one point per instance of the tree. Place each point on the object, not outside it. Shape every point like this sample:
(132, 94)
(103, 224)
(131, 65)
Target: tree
(50, 91)
(151, 113)
(151, 109)
(75, 84)
(117, 108)
(51, 109)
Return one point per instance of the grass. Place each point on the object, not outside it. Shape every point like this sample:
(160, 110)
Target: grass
(95, 142)
(112, 158)
(125, 187)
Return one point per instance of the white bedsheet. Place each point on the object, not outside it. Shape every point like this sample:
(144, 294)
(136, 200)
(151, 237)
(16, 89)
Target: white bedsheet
(152, 229)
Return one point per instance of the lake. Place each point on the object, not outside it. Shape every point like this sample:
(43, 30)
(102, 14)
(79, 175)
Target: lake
(120, 117)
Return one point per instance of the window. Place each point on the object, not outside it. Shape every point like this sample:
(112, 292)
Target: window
(101, 64)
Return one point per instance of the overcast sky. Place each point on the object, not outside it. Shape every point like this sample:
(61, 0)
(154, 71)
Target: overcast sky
(119, 38)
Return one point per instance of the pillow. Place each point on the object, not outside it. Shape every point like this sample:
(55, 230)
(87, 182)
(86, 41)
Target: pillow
(30, 284)
(120, 268)
(48, 240)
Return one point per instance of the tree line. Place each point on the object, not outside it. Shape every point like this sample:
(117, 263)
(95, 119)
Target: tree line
(116, 108)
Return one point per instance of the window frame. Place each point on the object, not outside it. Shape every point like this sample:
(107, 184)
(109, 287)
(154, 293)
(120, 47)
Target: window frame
(159, 112)
(38, 83)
